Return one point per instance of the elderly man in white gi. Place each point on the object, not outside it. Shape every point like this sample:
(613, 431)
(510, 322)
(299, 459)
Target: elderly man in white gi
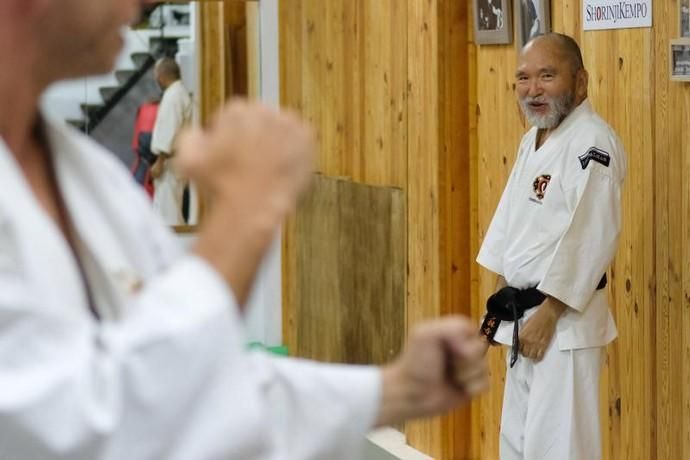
(174, 114)
(115, 343)
(552, 237)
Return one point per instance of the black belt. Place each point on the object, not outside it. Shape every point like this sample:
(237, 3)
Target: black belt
(510, 304)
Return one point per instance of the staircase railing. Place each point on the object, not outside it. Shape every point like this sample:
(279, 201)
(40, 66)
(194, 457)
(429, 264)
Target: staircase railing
(165, 47)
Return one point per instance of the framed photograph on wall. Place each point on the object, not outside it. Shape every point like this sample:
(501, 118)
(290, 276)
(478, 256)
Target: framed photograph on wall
(532, 18)
(684, 16)
(679, 59)
(492, 22)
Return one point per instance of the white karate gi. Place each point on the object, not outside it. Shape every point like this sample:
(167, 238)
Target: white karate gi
(164, 375)
(556, 227)
(174, 113)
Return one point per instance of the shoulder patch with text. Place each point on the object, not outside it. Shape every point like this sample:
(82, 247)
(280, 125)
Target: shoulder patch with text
(595, 154)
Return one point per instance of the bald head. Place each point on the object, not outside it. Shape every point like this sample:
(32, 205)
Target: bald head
(551, 79)
(167, 72)
(562, 44)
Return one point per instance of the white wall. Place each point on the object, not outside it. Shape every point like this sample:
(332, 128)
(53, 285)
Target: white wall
(264, 315)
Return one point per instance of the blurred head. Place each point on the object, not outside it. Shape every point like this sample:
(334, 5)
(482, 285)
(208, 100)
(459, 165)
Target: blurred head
(167, 72)
(63, 39)
(551, 79)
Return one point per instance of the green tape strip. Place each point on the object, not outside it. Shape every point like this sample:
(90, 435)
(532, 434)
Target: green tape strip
(280, 350)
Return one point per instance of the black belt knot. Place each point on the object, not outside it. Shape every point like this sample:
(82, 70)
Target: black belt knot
(510, 304)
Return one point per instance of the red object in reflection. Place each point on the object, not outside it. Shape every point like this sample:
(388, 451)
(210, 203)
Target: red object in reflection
(143, 128)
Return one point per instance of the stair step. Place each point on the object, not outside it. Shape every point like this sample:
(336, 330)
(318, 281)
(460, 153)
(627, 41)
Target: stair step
(164, 46)
(141, 59)
(79, 124)
(123, 76)
(107, 92)
(90, 110)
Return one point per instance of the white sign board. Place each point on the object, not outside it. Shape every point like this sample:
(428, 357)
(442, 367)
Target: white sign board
(616, 14)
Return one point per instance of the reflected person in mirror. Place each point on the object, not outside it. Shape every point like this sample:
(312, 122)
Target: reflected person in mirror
(174, 114)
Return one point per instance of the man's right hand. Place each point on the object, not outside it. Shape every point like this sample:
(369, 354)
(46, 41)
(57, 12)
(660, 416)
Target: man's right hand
(254, 161)
(442, 367)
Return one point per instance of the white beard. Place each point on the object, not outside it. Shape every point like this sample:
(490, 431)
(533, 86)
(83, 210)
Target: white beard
(559, 108)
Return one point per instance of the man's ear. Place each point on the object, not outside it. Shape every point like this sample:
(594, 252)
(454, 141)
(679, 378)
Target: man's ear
(581, 82)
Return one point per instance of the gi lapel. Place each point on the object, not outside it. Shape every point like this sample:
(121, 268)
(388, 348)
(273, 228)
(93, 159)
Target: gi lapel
(95, 217)
(44, 257)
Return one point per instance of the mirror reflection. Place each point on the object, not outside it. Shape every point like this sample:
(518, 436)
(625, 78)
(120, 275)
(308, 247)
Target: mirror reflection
(138, 110)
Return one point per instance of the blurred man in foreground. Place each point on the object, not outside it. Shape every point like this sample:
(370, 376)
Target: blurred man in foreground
(113, 346)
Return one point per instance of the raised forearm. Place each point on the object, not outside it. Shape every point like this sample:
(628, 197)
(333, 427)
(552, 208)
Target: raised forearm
(235, 248)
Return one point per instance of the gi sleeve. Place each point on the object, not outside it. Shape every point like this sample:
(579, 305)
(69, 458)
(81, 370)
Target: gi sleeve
(171, 380)
(335, 401)
(491, 252)
(589, 242)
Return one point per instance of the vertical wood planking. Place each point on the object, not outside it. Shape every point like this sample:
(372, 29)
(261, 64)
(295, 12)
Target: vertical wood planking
(423, 299)
(454, 187)
(645, 397)
(496, 111)
(253, 50)
(385, 84)
(350, 248)
(668, 182)
(645, 386)
(212, 52)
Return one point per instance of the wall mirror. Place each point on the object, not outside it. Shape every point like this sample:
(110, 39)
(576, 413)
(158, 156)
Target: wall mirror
(217, 47)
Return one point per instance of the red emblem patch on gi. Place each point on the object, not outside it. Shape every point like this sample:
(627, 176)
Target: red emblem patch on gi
(540, 184)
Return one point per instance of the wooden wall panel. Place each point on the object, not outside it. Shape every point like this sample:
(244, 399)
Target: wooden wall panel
(668, 147)
(438, 98)
(495, 111)
(454, 186)
(350, 288)
(645, 406)
(379, 99)
(385, 84)
(423, 290)
(344, 67)
(227, 59)
(228, 62)
(253, 50)
(212, 57)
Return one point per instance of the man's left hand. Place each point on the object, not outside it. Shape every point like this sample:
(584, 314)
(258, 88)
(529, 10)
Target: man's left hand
(538, 331)
(157, 167)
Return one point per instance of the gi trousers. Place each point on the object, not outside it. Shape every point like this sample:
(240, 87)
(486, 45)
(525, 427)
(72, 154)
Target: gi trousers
(551, 407)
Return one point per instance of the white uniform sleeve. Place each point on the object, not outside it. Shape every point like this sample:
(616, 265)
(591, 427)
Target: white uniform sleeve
(588, 245)
(171, 381)
(493, 246)
(338, 406)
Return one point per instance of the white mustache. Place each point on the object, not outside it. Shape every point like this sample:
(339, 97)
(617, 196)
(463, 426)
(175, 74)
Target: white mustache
(535, 100)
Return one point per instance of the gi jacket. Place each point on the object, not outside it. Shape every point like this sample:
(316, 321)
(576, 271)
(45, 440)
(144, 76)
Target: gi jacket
(164, 374)
(557, 224)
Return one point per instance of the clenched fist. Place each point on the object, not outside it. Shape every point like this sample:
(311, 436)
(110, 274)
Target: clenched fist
(442, 367)
(255, 161)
